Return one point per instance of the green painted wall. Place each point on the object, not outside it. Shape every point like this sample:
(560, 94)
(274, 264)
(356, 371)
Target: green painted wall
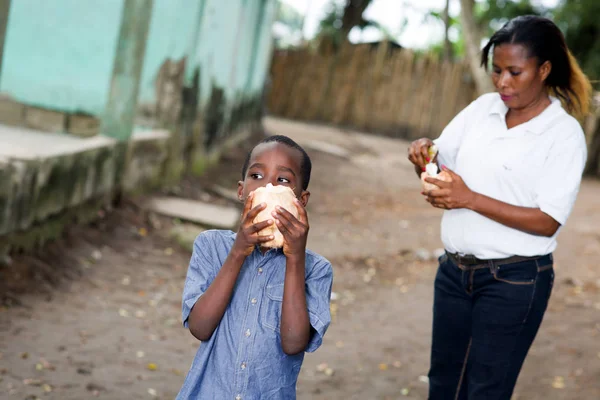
(59, 54)
(228, 34)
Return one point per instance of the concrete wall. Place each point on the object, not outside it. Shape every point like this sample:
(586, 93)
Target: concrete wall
(59, 55)
(48, 180)
(232, 54)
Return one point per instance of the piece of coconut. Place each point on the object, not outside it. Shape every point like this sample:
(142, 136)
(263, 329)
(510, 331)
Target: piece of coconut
(273, 196)
(431, 171)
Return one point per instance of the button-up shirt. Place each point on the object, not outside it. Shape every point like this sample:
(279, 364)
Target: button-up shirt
(537, 164)
(243, 359)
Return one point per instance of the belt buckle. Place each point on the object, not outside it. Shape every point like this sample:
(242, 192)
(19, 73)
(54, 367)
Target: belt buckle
(462, 260)
(471, 260)
(465, 259)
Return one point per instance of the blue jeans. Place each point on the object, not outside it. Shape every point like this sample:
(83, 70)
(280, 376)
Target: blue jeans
(485, 318)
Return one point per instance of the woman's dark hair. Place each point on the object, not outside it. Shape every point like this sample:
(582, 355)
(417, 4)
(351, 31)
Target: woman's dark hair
(545, 41)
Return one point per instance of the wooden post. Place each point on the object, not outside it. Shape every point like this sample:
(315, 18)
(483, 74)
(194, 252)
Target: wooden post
(4, 10)
(124, 87)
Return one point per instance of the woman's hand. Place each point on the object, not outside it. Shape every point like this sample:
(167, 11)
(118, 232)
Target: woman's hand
(450, 195)
(417, 152)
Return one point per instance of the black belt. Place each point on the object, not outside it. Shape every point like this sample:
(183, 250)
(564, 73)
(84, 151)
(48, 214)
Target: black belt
(470, 260)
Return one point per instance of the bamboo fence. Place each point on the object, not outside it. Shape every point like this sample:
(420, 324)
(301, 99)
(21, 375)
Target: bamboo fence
(371, 88)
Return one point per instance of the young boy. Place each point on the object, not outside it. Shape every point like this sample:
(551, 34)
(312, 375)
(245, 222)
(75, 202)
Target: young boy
(257, 311)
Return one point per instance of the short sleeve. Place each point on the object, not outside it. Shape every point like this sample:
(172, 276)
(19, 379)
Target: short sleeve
(318, 295)
(449, 141)
(557, 188)
(200, 274)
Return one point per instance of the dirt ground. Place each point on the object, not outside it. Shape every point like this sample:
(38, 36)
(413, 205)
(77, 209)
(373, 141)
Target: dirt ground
(97, 315)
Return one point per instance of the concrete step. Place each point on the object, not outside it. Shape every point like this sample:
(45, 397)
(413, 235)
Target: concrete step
(229, 194)
(198, 212)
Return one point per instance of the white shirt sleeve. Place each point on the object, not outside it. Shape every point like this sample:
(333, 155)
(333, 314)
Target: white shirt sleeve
(451, 138)
(557, 189)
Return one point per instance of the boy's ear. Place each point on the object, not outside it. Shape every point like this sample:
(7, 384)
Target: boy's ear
(240, 191)
(304, 196)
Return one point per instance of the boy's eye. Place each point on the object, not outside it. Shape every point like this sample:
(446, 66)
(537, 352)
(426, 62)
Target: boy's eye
(284, 180)
(515, 73)
(256, 176)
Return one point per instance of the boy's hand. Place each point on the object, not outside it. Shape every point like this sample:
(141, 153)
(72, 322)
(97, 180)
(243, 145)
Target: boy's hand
(294, 230)
(248, 234)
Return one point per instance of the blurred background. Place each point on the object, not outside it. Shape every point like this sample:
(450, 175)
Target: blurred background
(123, 128)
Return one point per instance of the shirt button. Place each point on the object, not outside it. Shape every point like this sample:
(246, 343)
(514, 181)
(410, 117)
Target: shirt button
(247, 332)
(243, 365)
(260, 270)
(238, 397)
(254, 301)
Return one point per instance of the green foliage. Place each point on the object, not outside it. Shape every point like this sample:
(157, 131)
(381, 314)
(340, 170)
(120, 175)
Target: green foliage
(579, 20)
(290, 22)
(458, 45)
(458, 48)
(288, 16)
(331, 26)
(491, 15)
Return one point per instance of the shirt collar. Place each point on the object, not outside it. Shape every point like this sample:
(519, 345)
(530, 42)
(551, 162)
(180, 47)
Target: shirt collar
(536, 125)
(273, 251)
(498, 107)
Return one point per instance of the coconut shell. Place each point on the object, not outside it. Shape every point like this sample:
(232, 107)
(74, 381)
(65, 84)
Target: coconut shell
(442, 176)
(273, 196)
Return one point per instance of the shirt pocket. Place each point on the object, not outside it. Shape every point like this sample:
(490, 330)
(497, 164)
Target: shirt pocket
(271, 315)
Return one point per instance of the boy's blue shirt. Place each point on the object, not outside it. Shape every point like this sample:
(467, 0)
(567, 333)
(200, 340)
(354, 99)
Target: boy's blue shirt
(243, 359)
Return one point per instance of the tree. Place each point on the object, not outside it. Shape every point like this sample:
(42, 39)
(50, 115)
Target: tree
(343, 17)
(472, 37)
(482, 19)
(448, 50)
(579, 21)
(287, 27)
(491, 15)
(353, 15)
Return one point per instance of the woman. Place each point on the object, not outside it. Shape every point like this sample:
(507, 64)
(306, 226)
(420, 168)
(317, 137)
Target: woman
(516, 158)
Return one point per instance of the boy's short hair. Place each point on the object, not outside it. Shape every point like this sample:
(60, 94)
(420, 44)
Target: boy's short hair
(305, 166)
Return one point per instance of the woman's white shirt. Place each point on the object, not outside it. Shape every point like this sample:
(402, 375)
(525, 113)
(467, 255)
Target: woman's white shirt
(537, 164)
